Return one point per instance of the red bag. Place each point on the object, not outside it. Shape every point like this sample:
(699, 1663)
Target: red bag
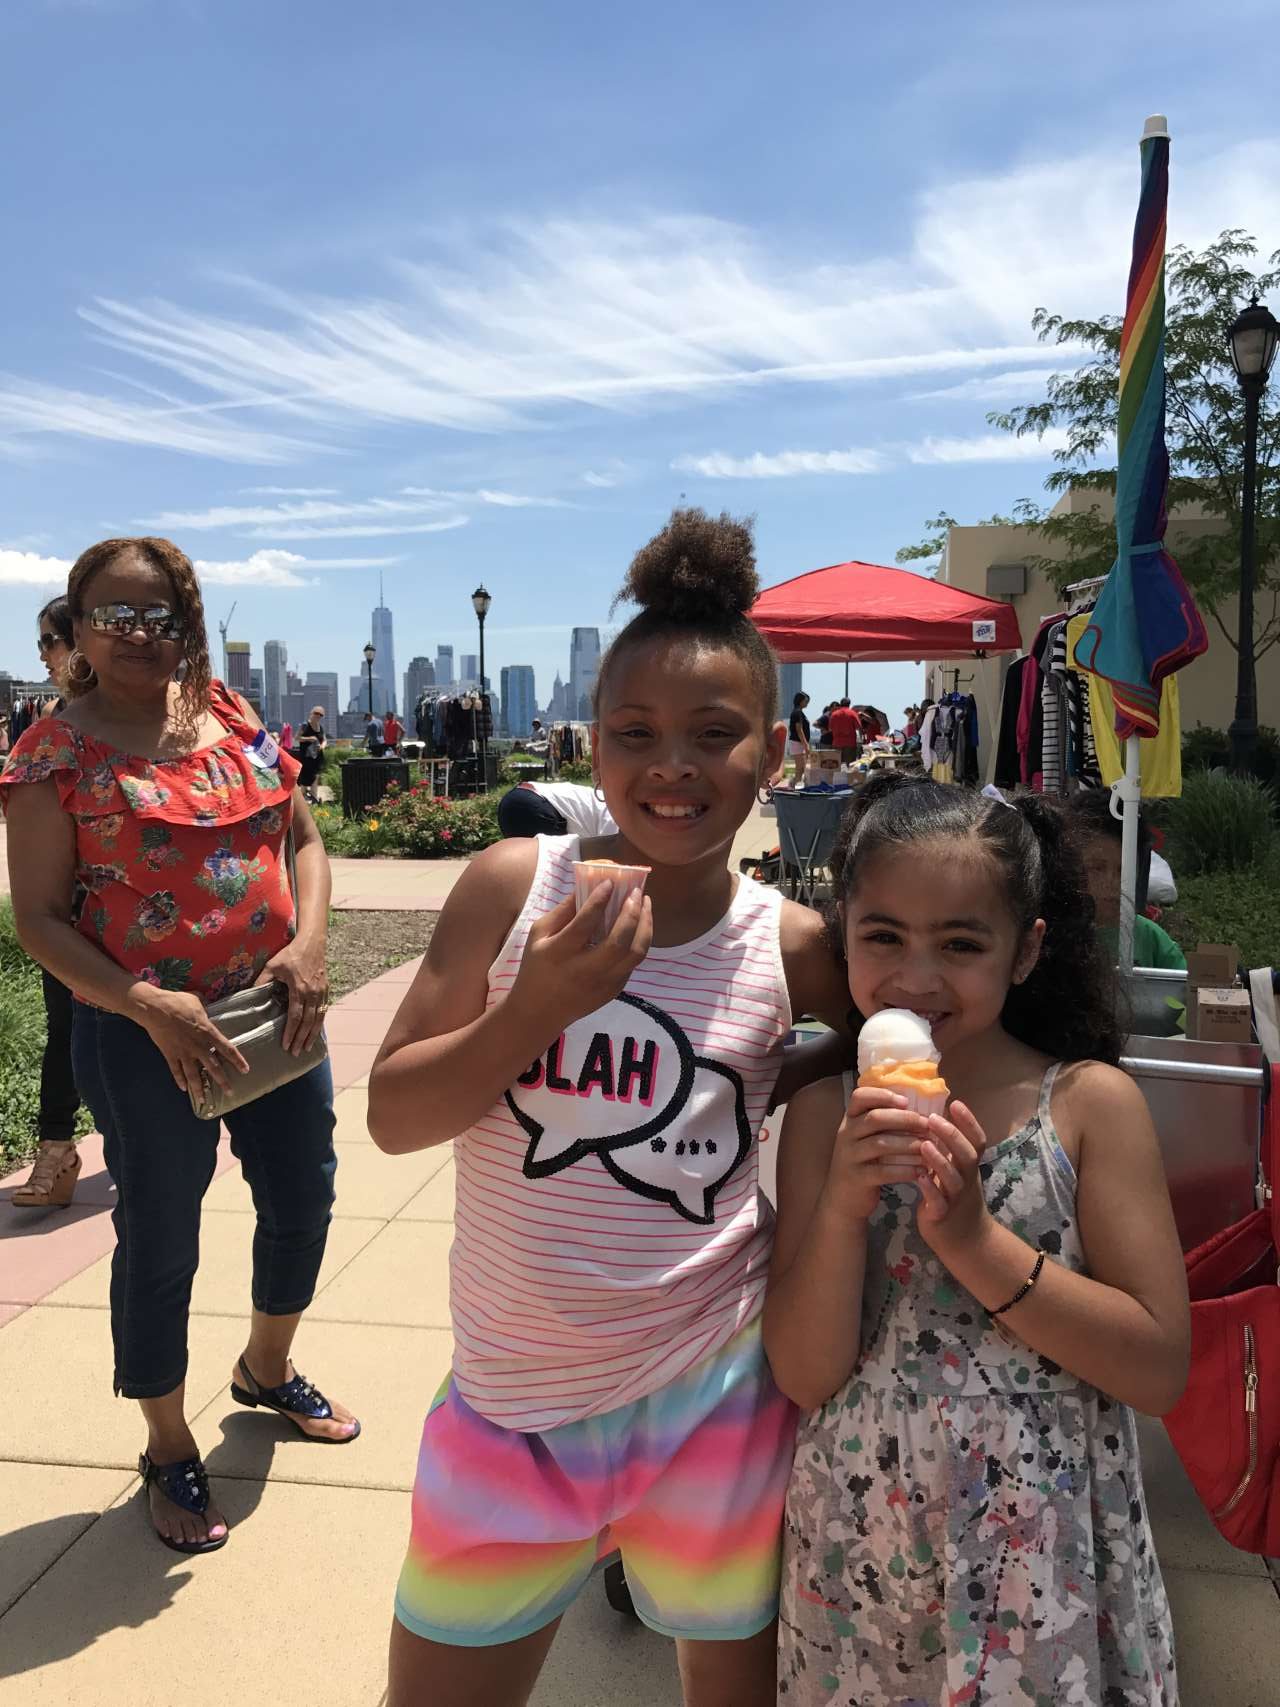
(1226, 1426)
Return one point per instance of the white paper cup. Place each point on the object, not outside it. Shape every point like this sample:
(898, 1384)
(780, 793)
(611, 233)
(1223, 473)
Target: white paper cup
(627, 880)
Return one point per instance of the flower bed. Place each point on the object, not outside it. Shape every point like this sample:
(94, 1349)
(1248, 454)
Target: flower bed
(411, 823)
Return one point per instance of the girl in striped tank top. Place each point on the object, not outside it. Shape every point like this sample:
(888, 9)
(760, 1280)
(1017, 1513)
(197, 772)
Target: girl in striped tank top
(968, 1307)
(609, 1390)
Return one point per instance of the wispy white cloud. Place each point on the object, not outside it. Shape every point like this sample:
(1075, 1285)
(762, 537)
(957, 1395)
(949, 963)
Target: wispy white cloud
(781, 465)
(31, 569)
(486, 495)
(1017, 386)
(988, 447)
(309, 510)
(516, 323)
(289, 491)
(263, 569)
(605, 478)
(359, 530)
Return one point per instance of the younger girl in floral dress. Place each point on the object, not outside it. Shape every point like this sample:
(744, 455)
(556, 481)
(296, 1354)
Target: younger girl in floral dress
(968, 1307)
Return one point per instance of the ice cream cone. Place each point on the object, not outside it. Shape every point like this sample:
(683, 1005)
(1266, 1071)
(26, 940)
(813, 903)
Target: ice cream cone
(896, 1053)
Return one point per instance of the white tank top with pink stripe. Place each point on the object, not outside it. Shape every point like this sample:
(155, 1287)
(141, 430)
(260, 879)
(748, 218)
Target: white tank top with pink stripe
(610, 1230)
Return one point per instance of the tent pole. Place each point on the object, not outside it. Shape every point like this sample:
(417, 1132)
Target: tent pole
(1128, 792)
(846, 678)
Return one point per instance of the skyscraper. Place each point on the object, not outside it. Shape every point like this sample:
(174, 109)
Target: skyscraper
(790, 683)
(384, 663)
(444, 667)
(519, 706)
(469, 670)
(584, 665)
(417, 678)
(322, 689)
(238, 677)
(275, 659)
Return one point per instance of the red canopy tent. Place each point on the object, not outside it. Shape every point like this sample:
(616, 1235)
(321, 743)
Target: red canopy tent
(861, 612)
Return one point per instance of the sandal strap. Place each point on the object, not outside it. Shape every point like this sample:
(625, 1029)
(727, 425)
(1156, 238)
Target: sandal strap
(298, 1397)
(185, 1484)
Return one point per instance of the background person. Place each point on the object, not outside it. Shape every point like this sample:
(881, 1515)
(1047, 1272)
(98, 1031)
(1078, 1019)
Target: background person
(392, 733)
(162, 792)
(554, 809)
(373, 737)
(799, 737)
(846, 731)
(1101, 837)
(56, 1167)
(311, 745)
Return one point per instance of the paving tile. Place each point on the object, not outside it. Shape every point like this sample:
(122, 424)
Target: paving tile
(386, 1376)
(222, 1280)
(600, 1659)
(46, 1510)
(397, 903)
(356, 1025)
(377, 997)
(435, 1202)
(401, 1277)
(55, 1374)
(119, 1617)
(405, 973)
(351, 1063)
(1184, 1536)
(369, 1185)
(42, 1249)
(1227, 1639)
(352, 1110)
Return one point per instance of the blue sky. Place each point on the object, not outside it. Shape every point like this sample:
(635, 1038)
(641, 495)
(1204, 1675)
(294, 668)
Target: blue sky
(478, 292)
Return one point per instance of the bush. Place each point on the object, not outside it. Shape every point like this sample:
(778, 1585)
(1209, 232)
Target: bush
(1221, 823)
(1206, 749)
(1238, 906)
(577, 770)
(412, 824)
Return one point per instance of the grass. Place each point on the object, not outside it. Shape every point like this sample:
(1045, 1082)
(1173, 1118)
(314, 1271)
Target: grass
(22, 1033)
(1231, 906)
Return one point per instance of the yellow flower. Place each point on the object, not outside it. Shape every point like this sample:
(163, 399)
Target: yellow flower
(374, 823)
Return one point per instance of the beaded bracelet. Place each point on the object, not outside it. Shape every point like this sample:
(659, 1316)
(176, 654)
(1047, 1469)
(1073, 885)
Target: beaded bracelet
(1022, 1291)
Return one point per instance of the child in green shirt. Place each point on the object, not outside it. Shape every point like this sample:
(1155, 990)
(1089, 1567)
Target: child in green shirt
(1101, 837)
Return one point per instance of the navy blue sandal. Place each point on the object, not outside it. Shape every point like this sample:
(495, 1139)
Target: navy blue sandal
(185, 1485)
(296, 1400)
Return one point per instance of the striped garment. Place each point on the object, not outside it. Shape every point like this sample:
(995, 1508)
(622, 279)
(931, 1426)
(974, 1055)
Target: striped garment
(610, 1232)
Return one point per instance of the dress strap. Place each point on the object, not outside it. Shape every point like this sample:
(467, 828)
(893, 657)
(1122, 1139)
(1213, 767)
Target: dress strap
(1045, 1114)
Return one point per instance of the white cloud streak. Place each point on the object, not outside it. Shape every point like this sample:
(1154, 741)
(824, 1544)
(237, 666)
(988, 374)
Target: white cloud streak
(31, 569)
(265, 568)
(988, 447)
(760, 466)
(359, 530)
(309, 511)
(290, 491)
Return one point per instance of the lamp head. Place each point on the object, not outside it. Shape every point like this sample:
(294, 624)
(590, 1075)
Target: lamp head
(481, 601)
(370, 652)
(1252, 342)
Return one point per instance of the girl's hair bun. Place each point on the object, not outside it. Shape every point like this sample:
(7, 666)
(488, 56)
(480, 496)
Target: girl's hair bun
(699, 569)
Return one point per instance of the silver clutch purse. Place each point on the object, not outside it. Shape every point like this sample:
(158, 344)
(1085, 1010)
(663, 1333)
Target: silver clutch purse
(254, 1020)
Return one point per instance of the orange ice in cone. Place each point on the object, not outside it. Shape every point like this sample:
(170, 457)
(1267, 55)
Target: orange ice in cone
(896, 1053)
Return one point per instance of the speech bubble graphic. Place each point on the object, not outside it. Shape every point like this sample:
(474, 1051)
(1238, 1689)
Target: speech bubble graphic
(627, 1085)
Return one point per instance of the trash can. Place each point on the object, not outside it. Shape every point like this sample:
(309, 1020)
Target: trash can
(364, 782)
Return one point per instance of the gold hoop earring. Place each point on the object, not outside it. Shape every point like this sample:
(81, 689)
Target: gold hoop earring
(74, 674)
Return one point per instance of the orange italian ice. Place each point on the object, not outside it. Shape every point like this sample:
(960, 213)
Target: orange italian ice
(896, 1052)
(588, 874)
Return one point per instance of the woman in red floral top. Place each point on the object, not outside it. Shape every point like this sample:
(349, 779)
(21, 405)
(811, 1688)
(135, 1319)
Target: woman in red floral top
(157, 790)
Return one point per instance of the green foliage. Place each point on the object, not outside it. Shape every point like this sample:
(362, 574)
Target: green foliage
(577, 770)
(412, 824)
(1024, 511)
(22, 1035)
(1237, 906)
(1208, 749)
(1222, 823)
(1205, 434)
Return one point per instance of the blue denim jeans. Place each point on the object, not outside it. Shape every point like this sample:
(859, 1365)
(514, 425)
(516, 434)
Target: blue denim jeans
(162, 1158)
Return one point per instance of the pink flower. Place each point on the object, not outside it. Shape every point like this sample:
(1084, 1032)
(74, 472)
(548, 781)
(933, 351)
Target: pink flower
(446, 835)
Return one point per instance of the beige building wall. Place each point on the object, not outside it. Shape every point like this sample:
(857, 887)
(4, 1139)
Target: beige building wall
(1207, 687)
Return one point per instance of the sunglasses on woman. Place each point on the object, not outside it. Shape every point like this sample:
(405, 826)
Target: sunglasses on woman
(157, 622)
(47, 642)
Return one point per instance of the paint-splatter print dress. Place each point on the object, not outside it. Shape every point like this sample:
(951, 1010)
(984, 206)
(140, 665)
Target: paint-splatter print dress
(966, 1522)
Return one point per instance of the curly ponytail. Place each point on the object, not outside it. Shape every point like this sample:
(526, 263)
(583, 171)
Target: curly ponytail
(1067, 1006)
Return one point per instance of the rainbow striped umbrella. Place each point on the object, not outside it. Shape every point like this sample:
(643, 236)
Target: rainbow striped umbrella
(1146, 624)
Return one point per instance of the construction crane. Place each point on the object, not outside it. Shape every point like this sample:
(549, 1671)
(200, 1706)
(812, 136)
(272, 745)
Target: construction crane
(223, 628)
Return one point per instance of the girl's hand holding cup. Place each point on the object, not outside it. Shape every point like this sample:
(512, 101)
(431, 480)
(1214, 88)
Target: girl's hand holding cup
(877, 1144)
(566, 973)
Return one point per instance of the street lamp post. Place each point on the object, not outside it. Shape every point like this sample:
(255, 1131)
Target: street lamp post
(370, 653)
(481, 601)
(1252, 342)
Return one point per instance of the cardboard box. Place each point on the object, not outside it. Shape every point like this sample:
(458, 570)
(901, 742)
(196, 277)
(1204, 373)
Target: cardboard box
(1223, 1016)
(1210, 966)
